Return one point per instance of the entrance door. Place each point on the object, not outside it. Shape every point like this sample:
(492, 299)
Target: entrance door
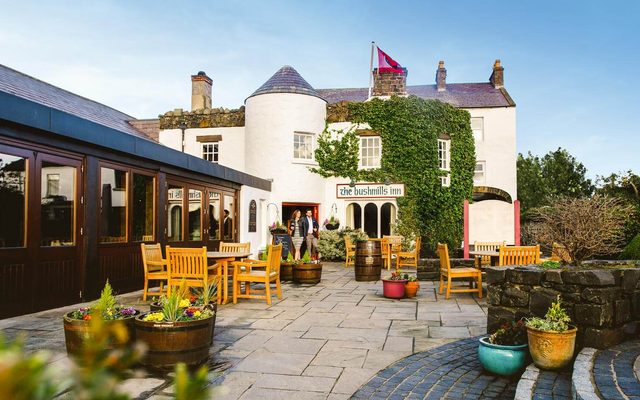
(56, 234)
(288, 208)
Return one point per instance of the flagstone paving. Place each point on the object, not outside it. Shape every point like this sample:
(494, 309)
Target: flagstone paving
(323, 341)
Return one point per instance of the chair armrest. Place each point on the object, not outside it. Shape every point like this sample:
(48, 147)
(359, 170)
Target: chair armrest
(157, 263)
(214, 267)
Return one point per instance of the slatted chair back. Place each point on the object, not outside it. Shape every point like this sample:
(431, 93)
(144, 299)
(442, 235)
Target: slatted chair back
(350, 251)
(154, 269)
(560, 253)
(395, 242)
(153, 253)
(443, 254)
(274, 259)
(487, 246)
(227, 247)
(188, 264)
(519, 255)
(409, 258)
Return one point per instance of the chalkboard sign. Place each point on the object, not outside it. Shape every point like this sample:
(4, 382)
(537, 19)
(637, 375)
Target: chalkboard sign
(285, 240)
(253, 209)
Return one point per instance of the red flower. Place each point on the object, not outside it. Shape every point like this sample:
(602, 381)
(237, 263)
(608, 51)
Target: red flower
(86, 317)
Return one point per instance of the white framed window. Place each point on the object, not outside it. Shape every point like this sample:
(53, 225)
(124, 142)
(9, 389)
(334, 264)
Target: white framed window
(53, 184)
(479, 173)
(370, 152)
(302, 146)
(210, 151)
(444, 160)
(477, 127)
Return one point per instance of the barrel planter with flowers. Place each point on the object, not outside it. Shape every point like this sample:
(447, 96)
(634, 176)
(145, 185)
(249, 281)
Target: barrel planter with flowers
(76, 323)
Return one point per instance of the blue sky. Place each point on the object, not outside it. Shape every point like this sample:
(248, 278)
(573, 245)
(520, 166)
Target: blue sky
(571, 66)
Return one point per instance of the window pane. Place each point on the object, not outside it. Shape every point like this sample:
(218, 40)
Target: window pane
(195, 214)
(13, 173)
(303, 146)
(227, 223)
(57, 210)
(214, 216)
(113, 206)
(174, 213)
(142, 208)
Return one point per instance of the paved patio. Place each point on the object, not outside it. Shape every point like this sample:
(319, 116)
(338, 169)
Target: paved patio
(318, 342)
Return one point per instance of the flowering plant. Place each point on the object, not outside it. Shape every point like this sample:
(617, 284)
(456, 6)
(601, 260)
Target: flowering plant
(105, 306)
(184, 305)
(510, 334)
(396, 276)
(277, 227)
(332, 220)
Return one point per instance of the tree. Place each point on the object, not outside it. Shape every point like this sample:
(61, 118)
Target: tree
(557, 174)
(625, 186)
(584, 227)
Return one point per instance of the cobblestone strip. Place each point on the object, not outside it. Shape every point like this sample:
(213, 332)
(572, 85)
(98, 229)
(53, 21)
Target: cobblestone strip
(613, 371)
(451, 371)
(583, 386)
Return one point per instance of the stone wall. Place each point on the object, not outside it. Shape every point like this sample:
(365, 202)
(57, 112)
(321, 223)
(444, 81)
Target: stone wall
(206, 118)
(389, 83)
(602, 303)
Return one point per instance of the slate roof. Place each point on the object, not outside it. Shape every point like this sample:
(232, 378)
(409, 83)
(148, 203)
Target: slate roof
(29, 88)
(463, 95)
(286, 80)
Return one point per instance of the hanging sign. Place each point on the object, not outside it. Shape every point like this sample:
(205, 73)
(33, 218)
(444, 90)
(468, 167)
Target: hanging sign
(253, 211)
(369, 191)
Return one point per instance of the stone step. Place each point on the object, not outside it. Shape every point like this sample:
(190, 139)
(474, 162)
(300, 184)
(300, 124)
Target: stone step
(613, 373)
(538, 384)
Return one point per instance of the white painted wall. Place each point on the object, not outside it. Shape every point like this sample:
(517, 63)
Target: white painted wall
(491, 221)
(257, 239)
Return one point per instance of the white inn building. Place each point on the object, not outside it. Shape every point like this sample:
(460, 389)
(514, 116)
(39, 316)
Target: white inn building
(273, 136)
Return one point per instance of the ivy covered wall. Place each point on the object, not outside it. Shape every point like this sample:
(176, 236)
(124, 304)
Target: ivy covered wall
(409, 128)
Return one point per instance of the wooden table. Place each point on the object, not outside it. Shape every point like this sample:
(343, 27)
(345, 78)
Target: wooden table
(224, 258)
(495, 256)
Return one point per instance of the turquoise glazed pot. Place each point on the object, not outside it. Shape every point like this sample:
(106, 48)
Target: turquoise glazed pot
(502, 360)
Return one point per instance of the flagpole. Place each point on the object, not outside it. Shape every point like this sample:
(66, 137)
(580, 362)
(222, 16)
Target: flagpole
(371, 70)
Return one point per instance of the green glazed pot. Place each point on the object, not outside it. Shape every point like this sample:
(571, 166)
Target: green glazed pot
(502, 360)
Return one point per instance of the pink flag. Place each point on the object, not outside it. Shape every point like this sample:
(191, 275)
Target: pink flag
(388, 64)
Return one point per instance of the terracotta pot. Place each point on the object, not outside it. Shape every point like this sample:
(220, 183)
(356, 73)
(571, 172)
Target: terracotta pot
(393, 289)
(76, 331)
(552, 350)
(172, 342)
(411, 288)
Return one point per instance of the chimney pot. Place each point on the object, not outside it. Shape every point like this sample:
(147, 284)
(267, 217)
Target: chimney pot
(441, 77)
(497, 76)
(200, 91)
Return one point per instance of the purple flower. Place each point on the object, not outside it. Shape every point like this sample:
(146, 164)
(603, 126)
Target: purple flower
(188, 312)
(128, 311)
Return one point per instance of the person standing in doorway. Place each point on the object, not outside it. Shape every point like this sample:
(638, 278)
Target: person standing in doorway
(310, 228)
(296, 231)
(227, 226)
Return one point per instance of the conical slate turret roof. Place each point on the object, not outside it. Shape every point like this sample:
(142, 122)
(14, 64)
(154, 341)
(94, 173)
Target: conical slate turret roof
(286, 80)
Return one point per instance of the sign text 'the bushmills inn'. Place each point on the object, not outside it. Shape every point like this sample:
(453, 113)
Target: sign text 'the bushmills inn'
(370, 190)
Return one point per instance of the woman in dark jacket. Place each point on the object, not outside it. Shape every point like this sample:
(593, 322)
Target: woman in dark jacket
(296, 233)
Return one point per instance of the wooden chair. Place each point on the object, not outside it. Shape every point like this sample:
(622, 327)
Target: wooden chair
(271, 274)
(409, 258)
(350, 252)
(155, 268)
(519, 255)
(227, 247)
(487, 246)
(190, 265)
(448, 273)
(391, 246)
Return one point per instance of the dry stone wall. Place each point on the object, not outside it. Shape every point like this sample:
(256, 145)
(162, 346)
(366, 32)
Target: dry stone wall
(204, 118)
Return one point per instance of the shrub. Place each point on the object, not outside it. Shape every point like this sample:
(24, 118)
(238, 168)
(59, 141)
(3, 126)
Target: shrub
(585, 227)
(556, 319)
(331, 243)
(510, 334)
(632, 250)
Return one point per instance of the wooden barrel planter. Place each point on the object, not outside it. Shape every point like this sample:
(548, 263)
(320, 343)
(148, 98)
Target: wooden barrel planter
(307, 273)
(76, 331)
(286, 271)
(156, 307)
(368, 261)
(172, 342)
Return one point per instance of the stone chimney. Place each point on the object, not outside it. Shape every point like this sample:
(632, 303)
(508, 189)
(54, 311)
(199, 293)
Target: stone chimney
(200, 91)
(441, 77)
(497, 76)
(388, 83)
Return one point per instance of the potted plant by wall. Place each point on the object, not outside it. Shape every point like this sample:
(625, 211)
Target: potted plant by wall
(307, 271)
(286, 268)
(394, 286)
(177, 333)
(277, 228)
(332, 223)
(412, 285)
(505, 351)
(552, 339)
(76, 323)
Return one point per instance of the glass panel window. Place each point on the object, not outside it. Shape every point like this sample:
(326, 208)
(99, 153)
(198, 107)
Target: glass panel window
(53, 184)
(477, 127)
(142, 208)
(174, 213)
(13, 175)
(214, 215)
(479, 173)
(303, 146)
(57, 224)
(195, 214)
(210, 152)
(370, 152)
(113, 206)
(444, 160)
(229, 216)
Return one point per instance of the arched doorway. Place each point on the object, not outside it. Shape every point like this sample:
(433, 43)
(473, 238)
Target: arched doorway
(387, 217)
(371, 220)
(354, 216)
